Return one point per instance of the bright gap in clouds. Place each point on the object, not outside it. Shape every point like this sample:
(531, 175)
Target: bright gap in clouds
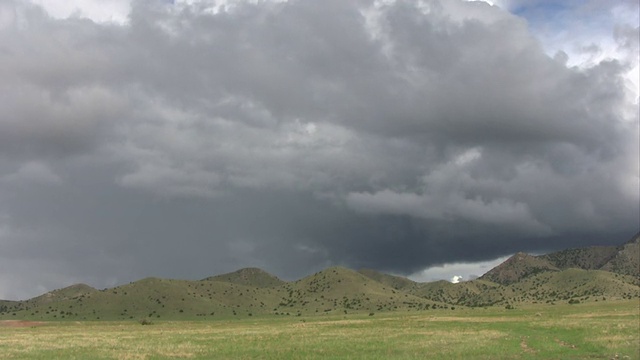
(111, 11)
(99, 11)
(456, 272)
(585, 33)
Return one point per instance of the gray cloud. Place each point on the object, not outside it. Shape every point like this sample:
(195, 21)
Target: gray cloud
(297, 135)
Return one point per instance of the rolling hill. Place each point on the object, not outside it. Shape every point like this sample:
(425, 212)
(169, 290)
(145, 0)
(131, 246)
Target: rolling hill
(462, 293)
(590, 258)
(626, 260)
(623, 259)
(393, 281)
(573, 275)
(249, 277)
(518, 267)
(6, 305)
(342, 289)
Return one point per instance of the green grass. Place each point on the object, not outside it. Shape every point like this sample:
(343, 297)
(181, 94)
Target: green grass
(601, 330)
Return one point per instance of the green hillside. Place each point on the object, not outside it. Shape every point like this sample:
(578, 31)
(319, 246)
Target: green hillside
(518, 267)
(335, 290)
(67, 293)
(627, 258)
(462, 293)
(249, 277)
(576, 285)
(571, 285)
(393, 281)
(623, 259)
(568, 276)
(338, 289)
(590, 258)
(8, 306)
(156, 298)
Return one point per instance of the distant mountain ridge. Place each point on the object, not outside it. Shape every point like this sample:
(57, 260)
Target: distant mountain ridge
(573, 275)
(627, 258)
(518, 267)
(623, 259)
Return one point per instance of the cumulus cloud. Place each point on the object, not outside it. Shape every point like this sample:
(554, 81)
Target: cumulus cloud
(293, 135)
(448, 193)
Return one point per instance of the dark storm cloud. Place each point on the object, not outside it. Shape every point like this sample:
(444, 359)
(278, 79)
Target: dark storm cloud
(297, 135)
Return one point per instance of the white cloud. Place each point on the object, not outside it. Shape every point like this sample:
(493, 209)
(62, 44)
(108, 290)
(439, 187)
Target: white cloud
(101, 11)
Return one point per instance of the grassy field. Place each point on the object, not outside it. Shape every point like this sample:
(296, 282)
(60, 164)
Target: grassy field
(605, 330)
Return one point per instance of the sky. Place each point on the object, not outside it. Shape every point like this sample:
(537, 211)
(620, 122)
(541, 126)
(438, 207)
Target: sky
(430, 139)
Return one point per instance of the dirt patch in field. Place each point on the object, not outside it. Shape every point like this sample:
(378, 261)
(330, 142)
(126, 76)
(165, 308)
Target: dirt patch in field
(525, 347)
(468, 319)
(565, 344)
(602, 314)
(340, 322)
(19, 323)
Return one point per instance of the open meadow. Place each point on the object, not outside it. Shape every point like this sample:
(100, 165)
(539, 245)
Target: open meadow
(604, 330)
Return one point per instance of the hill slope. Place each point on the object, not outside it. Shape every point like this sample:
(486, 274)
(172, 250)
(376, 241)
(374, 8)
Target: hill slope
(393, 281)
(626, 259)
(590, 258)
(329, 291)
(249, 277)
(8, 306)
(574, 275)
(343, 290)
(67, 293)
(462, 293)
(518, 267)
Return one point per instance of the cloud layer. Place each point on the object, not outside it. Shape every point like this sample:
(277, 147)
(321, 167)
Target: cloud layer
(196, 138)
